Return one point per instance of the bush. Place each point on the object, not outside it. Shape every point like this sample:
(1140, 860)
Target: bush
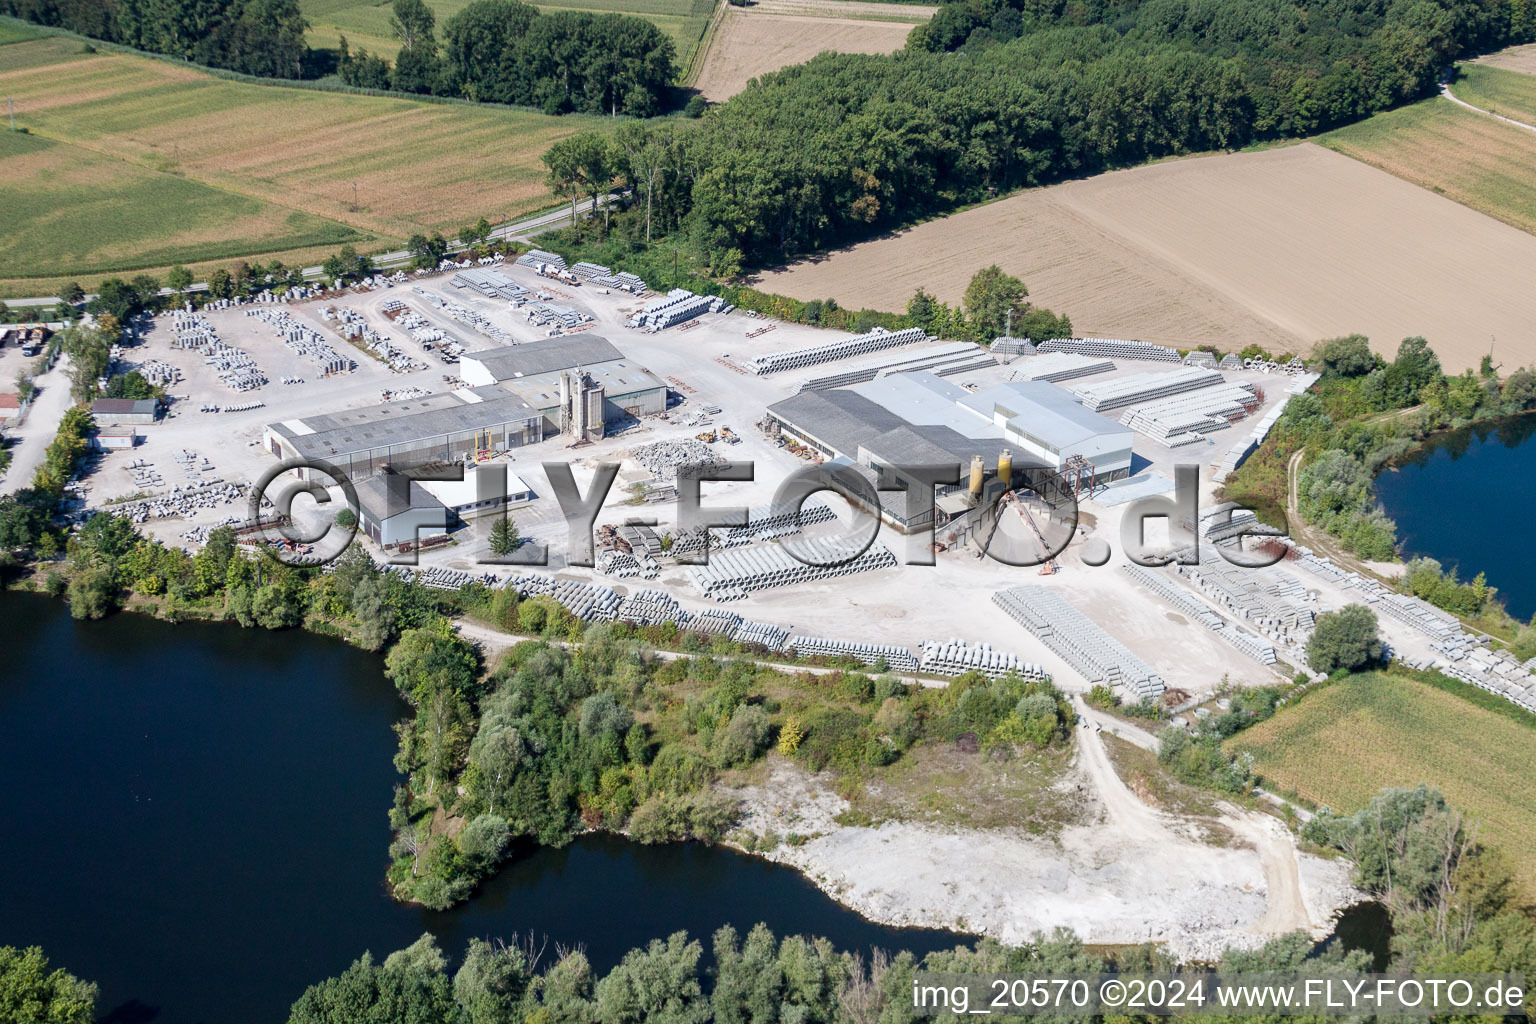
(743, 738)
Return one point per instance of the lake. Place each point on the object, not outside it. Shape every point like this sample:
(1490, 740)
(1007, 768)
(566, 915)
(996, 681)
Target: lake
(197, 821)
(1465, 500)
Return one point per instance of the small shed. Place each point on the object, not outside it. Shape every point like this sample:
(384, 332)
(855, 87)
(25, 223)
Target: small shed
(10, 407)
(115, 440)
(118, 411)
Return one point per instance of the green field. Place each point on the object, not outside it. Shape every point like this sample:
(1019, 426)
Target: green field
(1466, 156)
(1340, 745)
(175, 142)
(72, 211)
(15, 32)
(1510, 93)
(366, 25)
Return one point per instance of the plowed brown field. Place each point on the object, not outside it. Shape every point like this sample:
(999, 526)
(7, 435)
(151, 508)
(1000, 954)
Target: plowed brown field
(1280, 247)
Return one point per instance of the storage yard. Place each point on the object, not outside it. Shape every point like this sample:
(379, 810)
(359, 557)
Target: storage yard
(1279, 248)
(435, 369)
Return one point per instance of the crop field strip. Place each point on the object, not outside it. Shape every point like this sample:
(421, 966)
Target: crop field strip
(751, 41)
(1511, 93)
(418, 166)
(59, 196)
(1377, 730)
(1516, 58)
(1458, 153)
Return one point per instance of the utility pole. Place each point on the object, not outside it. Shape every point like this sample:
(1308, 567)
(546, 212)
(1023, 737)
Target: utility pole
(12, 105)
(354, 197)
(674, 268)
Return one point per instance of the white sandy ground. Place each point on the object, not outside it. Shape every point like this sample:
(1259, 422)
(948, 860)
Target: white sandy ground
(1131, 875)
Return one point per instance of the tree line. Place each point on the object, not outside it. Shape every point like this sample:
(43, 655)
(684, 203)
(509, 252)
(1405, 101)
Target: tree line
(506, 51)
(848, 145)
(256, 37)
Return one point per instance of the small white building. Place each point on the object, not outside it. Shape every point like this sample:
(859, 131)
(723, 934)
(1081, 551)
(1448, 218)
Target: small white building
(480, 492)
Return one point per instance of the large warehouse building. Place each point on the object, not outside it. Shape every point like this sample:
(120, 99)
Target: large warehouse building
(588, 368)
(438, 428)
(918, 419)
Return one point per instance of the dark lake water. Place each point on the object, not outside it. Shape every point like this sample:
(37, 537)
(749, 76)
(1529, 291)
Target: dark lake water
(196, 819)
(1466, 500)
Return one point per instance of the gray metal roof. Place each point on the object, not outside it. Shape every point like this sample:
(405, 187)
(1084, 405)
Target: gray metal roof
(927, 445)
(546, 356)
(841, 420)
(394, 423)
(119, 406)
(373, 498)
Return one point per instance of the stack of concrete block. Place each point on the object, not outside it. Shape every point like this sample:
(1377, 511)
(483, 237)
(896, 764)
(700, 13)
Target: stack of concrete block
(1174, 595)
(800, 358)
(1078, 640)
(954, 657)
(1114, 348)
(731, 575)
(943, 360)
(897, 659)
(1054, 367)
(1119, 392)
(533, 259)
(651, 608)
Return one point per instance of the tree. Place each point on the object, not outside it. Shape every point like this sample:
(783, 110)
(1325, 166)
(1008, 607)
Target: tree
(427, 253)
(571, 163)
(117, 297)
(179, 278)
(412, 22)
(489, 987)
(1349, 356)
(657, 985)
(990, 298)
(1346, 639)
(72, 293)
(32, 994)
(504, 536)
(374, 614)
(221, 284)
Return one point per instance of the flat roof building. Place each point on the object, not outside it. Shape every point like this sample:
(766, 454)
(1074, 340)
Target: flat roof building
(477, 494)
(438, 428)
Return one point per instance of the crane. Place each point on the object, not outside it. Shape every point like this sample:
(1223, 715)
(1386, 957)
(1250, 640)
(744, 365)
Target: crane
(1051, 566)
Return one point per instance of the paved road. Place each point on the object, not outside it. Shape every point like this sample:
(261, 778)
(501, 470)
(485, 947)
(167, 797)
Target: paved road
(1445, 90)
(37, 433)
(520, 230)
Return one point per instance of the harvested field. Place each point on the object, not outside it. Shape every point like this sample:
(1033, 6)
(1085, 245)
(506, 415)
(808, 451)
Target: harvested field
(1376, 730)
(1280, 247)
(1516, 58)
(70, 210)
(752, 41)
(1461, 154)
(417, 166)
